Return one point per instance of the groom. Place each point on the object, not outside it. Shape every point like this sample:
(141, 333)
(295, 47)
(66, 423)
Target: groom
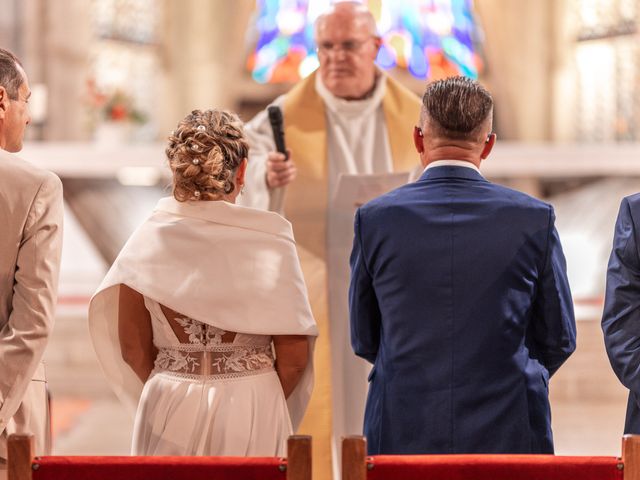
(459, 296)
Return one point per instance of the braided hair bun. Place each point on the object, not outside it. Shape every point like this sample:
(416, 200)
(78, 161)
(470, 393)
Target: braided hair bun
(204, 152)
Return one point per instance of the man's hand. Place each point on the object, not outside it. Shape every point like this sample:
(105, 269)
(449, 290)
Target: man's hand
(280, 172)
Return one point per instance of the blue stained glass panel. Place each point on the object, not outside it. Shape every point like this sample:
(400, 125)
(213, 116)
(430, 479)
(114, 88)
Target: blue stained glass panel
(431, 38)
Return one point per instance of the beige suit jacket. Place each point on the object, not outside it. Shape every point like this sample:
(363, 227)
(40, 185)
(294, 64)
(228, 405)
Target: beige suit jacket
(31, 209)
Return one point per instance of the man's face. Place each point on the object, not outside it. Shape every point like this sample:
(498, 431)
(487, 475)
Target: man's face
(346, 52)
(14, 118)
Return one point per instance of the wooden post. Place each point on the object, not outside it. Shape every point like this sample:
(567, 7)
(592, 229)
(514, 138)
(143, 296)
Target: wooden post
(354, 462)
(299, 457)
(19, 457)
(630, 457)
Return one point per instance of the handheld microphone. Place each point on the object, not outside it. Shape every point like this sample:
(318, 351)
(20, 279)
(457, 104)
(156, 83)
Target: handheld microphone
(275, 119)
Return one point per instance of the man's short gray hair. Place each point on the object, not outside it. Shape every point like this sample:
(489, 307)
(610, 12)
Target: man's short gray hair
(11, 77)
(456, 108)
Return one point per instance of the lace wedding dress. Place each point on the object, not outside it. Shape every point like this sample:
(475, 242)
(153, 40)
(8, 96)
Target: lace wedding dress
(211, 392)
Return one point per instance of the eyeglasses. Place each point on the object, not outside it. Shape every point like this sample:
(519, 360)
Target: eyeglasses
(349, 47)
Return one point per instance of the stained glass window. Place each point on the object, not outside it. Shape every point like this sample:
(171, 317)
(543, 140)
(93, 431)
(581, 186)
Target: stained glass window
(430, 38)
(127, 20)
(606, 59)
(124, 61)
(605, 18)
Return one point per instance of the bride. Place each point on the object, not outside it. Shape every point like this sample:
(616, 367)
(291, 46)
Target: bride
(203, 320)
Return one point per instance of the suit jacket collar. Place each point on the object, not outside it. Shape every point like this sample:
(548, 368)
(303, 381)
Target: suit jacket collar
(451, 171)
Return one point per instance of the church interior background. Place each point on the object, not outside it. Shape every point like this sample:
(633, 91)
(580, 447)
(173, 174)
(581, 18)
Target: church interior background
(111, 77)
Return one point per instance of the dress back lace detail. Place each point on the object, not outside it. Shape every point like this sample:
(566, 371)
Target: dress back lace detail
(200, 333)
(202, 351)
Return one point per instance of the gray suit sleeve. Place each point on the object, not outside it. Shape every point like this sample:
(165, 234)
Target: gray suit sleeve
(24, 337)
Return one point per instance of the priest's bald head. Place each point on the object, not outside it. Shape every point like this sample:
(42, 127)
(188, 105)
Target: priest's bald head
(348, 44)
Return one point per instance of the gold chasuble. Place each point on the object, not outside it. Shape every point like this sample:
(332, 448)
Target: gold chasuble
(306, 207)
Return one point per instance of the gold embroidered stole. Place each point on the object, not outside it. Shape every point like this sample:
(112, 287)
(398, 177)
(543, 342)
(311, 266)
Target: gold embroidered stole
(306, 136)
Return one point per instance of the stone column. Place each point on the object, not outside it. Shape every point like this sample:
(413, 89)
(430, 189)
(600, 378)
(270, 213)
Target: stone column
(56, 38)
(10, 26)
(519, 48)
(204, 45)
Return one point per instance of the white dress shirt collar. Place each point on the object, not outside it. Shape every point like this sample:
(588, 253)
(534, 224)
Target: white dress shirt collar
(452, 163)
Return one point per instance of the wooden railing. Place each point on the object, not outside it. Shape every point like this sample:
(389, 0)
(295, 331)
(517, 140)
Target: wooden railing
(356, 465)
(22, 465)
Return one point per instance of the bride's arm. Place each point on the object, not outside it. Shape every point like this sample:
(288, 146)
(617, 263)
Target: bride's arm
(292, 356)
(135, 333)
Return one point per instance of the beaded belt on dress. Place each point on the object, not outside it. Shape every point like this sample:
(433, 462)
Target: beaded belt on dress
(214, 361)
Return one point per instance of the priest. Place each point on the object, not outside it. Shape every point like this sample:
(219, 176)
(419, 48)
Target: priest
(348, 117)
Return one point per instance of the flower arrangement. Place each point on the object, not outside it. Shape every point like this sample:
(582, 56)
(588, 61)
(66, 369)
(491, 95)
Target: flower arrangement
(116, 106)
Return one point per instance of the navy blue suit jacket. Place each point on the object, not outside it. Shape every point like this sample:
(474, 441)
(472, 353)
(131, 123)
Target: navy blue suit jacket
(459, 297)
(621, 316)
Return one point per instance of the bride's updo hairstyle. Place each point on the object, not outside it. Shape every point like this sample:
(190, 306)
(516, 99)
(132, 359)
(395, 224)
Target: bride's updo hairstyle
(204, 152)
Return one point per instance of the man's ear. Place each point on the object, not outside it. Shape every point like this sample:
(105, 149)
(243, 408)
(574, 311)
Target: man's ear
(4, 101)
(377, 41)
(418, 139)
(488, 145)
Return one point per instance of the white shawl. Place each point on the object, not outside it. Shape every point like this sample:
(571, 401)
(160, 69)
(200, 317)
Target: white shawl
(232, 267)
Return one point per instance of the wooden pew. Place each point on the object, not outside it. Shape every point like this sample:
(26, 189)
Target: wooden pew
(22, 465)
(357, 466)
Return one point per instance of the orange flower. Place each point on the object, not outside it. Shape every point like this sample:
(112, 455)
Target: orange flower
(118, 112)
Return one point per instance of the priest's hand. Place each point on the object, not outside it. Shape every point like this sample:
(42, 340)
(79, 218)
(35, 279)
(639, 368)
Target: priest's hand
(280, 171)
